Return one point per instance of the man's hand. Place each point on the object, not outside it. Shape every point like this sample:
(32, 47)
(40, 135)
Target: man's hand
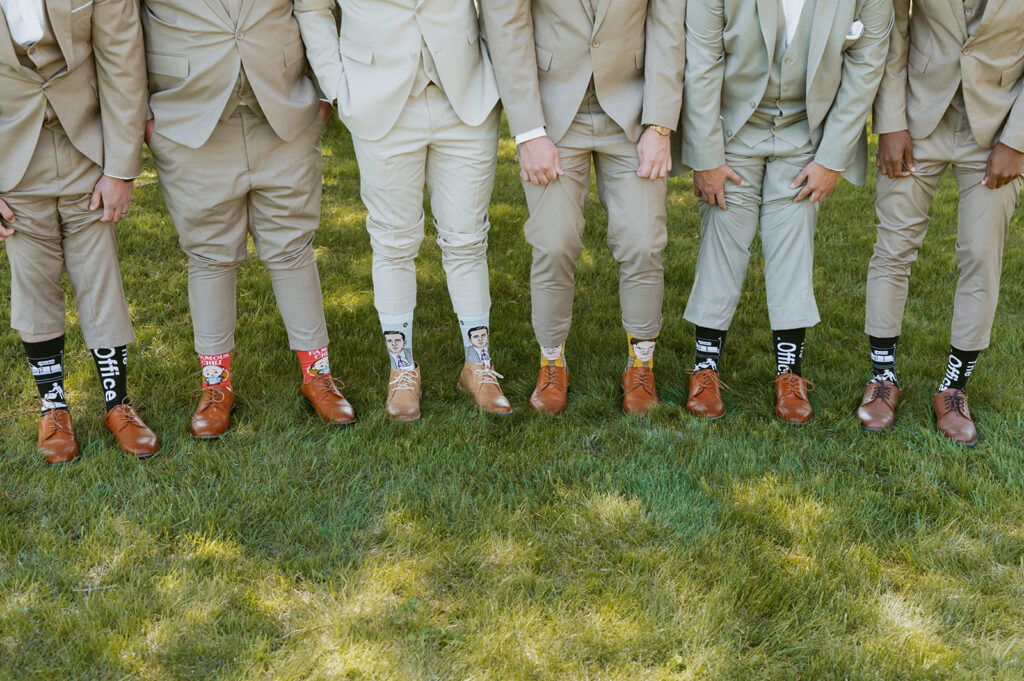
(896, 154)
(818, 182)
(114, 195)
(148, 134)
(7, 214)
(1005, 164)
(655, 157)
(325, 110)
(538, 161)
(709, 185)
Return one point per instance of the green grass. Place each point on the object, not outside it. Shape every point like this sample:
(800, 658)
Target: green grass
(590, 546)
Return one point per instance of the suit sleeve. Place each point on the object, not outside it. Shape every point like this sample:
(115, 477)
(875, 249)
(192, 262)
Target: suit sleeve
(320, 36)
(121, 84)
(891, 102)
(863, 64)
(1013, 130)
(664, 62)
(508, 25)
(703, 141)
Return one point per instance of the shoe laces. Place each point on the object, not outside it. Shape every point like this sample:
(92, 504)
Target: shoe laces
(54, 425)
(708, 379)
(487, 375)
(645, 380)
(791, 384)
(405, 380)
(329, 385)
(956, 401)
(210, 397)
(881, 390)
(127, 415)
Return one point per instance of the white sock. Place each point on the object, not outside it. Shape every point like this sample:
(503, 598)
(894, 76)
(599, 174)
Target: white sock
(397, 330)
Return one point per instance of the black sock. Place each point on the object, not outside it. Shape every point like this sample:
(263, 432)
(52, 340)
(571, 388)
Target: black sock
(709, 348)
(958, 368)
(883, 358)
(112, 364)
(789, 350)
(46, 359)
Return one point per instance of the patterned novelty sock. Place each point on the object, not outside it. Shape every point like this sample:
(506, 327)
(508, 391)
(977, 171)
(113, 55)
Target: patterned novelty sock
(216, 370)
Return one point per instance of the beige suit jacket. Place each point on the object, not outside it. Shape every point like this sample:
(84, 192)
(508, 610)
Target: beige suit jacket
(931, 55)
(100, 99)
(194, 52)
(731, 45)
(546, 51)
(372, 68)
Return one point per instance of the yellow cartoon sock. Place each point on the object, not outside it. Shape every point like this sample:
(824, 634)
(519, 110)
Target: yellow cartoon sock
(641, 351)
(555, 356)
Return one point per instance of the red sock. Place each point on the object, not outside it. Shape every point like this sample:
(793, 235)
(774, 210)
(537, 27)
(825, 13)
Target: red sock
(216, 370)
(314, 363)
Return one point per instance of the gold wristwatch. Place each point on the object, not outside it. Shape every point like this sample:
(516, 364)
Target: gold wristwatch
(660, 129)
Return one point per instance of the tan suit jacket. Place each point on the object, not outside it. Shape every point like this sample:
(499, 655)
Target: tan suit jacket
(731, 44)
(194, 53)
(545, 53)
(100, 98)
(372, 68)
(931, 55)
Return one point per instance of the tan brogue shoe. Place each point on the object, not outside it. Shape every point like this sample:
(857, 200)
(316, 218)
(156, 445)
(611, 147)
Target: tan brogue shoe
(213, 415)
(56, 437)
(953, 418)
(705, 398)
(877, 409)
(791, 403)
(552, 391)
(481, 382)
(323, 395)
(638, 393)
(133, 436)
(403, 403)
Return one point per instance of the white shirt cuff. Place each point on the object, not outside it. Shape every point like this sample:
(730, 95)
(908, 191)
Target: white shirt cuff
(126, 179)
(530, 135)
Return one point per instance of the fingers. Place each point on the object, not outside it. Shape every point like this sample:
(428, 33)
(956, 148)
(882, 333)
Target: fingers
(97, 196)
(733, 176)
(558, 166)
(908, 161)
(5, 232)
(804, 193)
(6, 213)
(800, 179)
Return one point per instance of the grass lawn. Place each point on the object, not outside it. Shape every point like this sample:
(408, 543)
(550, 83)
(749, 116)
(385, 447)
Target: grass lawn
(590, 546)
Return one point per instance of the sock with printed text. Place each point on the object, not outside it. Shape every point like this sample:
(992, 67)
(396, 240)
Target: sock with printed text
(710, 343)
(46, 359)
(216, 370)
(789, 350)
(314, 363)
(112, 365)
(883, 358)
(958, 368)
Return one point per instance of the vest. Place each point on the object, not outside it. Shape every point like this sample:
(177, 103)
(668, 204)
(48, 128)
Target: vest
(44, 58)
(242, 96)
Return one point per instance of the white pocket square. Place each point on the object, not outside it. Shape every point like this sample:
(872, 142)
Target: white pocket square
(856, 30)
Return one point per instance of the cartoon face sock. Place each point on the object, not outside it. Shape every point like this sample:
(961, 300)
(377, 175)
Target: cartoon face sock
(397, 330)
(958, 368)
(112, 365)
(789, 350)
(216, 370)
(641, 351)
(476, 339)
(46, 359)
(552, 356)
(710, 343)
(883, 358)
(314, 363)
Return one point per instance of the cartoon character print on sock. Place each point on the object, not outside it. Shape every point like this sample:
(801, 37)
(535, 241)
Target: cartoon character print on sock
(641, 352)
(314, 363)
(553, 355)
(216, 370)
(478, 350)
(54, 397)
(398, 350)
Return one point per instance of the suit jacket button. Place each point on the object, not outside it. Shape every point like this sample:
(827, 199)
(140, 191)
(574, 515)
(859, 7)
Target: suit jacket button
(595, 43)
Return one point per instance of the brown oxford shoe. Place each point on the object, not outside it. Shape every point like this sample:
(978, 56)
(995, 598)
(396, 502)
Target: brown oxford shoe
(706, 395)
(877, 409)
(481, 382)
(56, 437)
(953, 418)
(638, 393)
(213, 415)
(552, 391)
(791, 403)
(403, 403)
(133, 436)
(329, 404)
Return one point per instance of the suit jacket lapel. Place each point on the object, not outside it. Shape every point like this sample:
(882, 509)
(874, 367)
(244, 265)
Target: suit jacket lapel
(218, 8)
(957, 8)
(602, 10)
(60, 21)
(7, 52)
(821, 29)
(768, 16)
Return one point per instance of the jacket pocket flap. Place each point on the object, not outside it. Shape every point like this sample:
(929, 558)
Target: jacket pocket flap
(293, 52)
(917, 60)
(543, 58)
(167, 64)
(356, 52)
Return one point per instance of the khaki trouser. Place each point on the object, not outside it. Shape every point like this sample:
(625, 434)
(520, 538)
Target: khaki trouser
(768, 168)
(247, 180)
(637, 231)
(54, 231)
(984, 220)
(429, 144)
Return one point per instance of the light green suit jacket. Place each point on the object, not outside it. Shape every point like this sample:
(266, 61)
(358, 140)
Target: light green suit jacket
(730, 48)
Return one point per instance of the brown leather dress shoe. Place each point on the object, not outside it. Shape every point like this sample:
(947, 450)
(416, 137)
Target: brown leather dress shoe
(706, 395)
(403, 403)
(791, 403)
(877, 409)
(552, 391)
(638, 393)
(213, 415)
(481, 382)
(133, 436)
(953, 418)
(329, 404)
(56, 437)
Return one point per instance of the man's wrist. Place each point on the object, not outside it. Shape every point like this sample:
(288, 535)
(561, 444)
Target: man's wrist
(530, 135)
(660, 129)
